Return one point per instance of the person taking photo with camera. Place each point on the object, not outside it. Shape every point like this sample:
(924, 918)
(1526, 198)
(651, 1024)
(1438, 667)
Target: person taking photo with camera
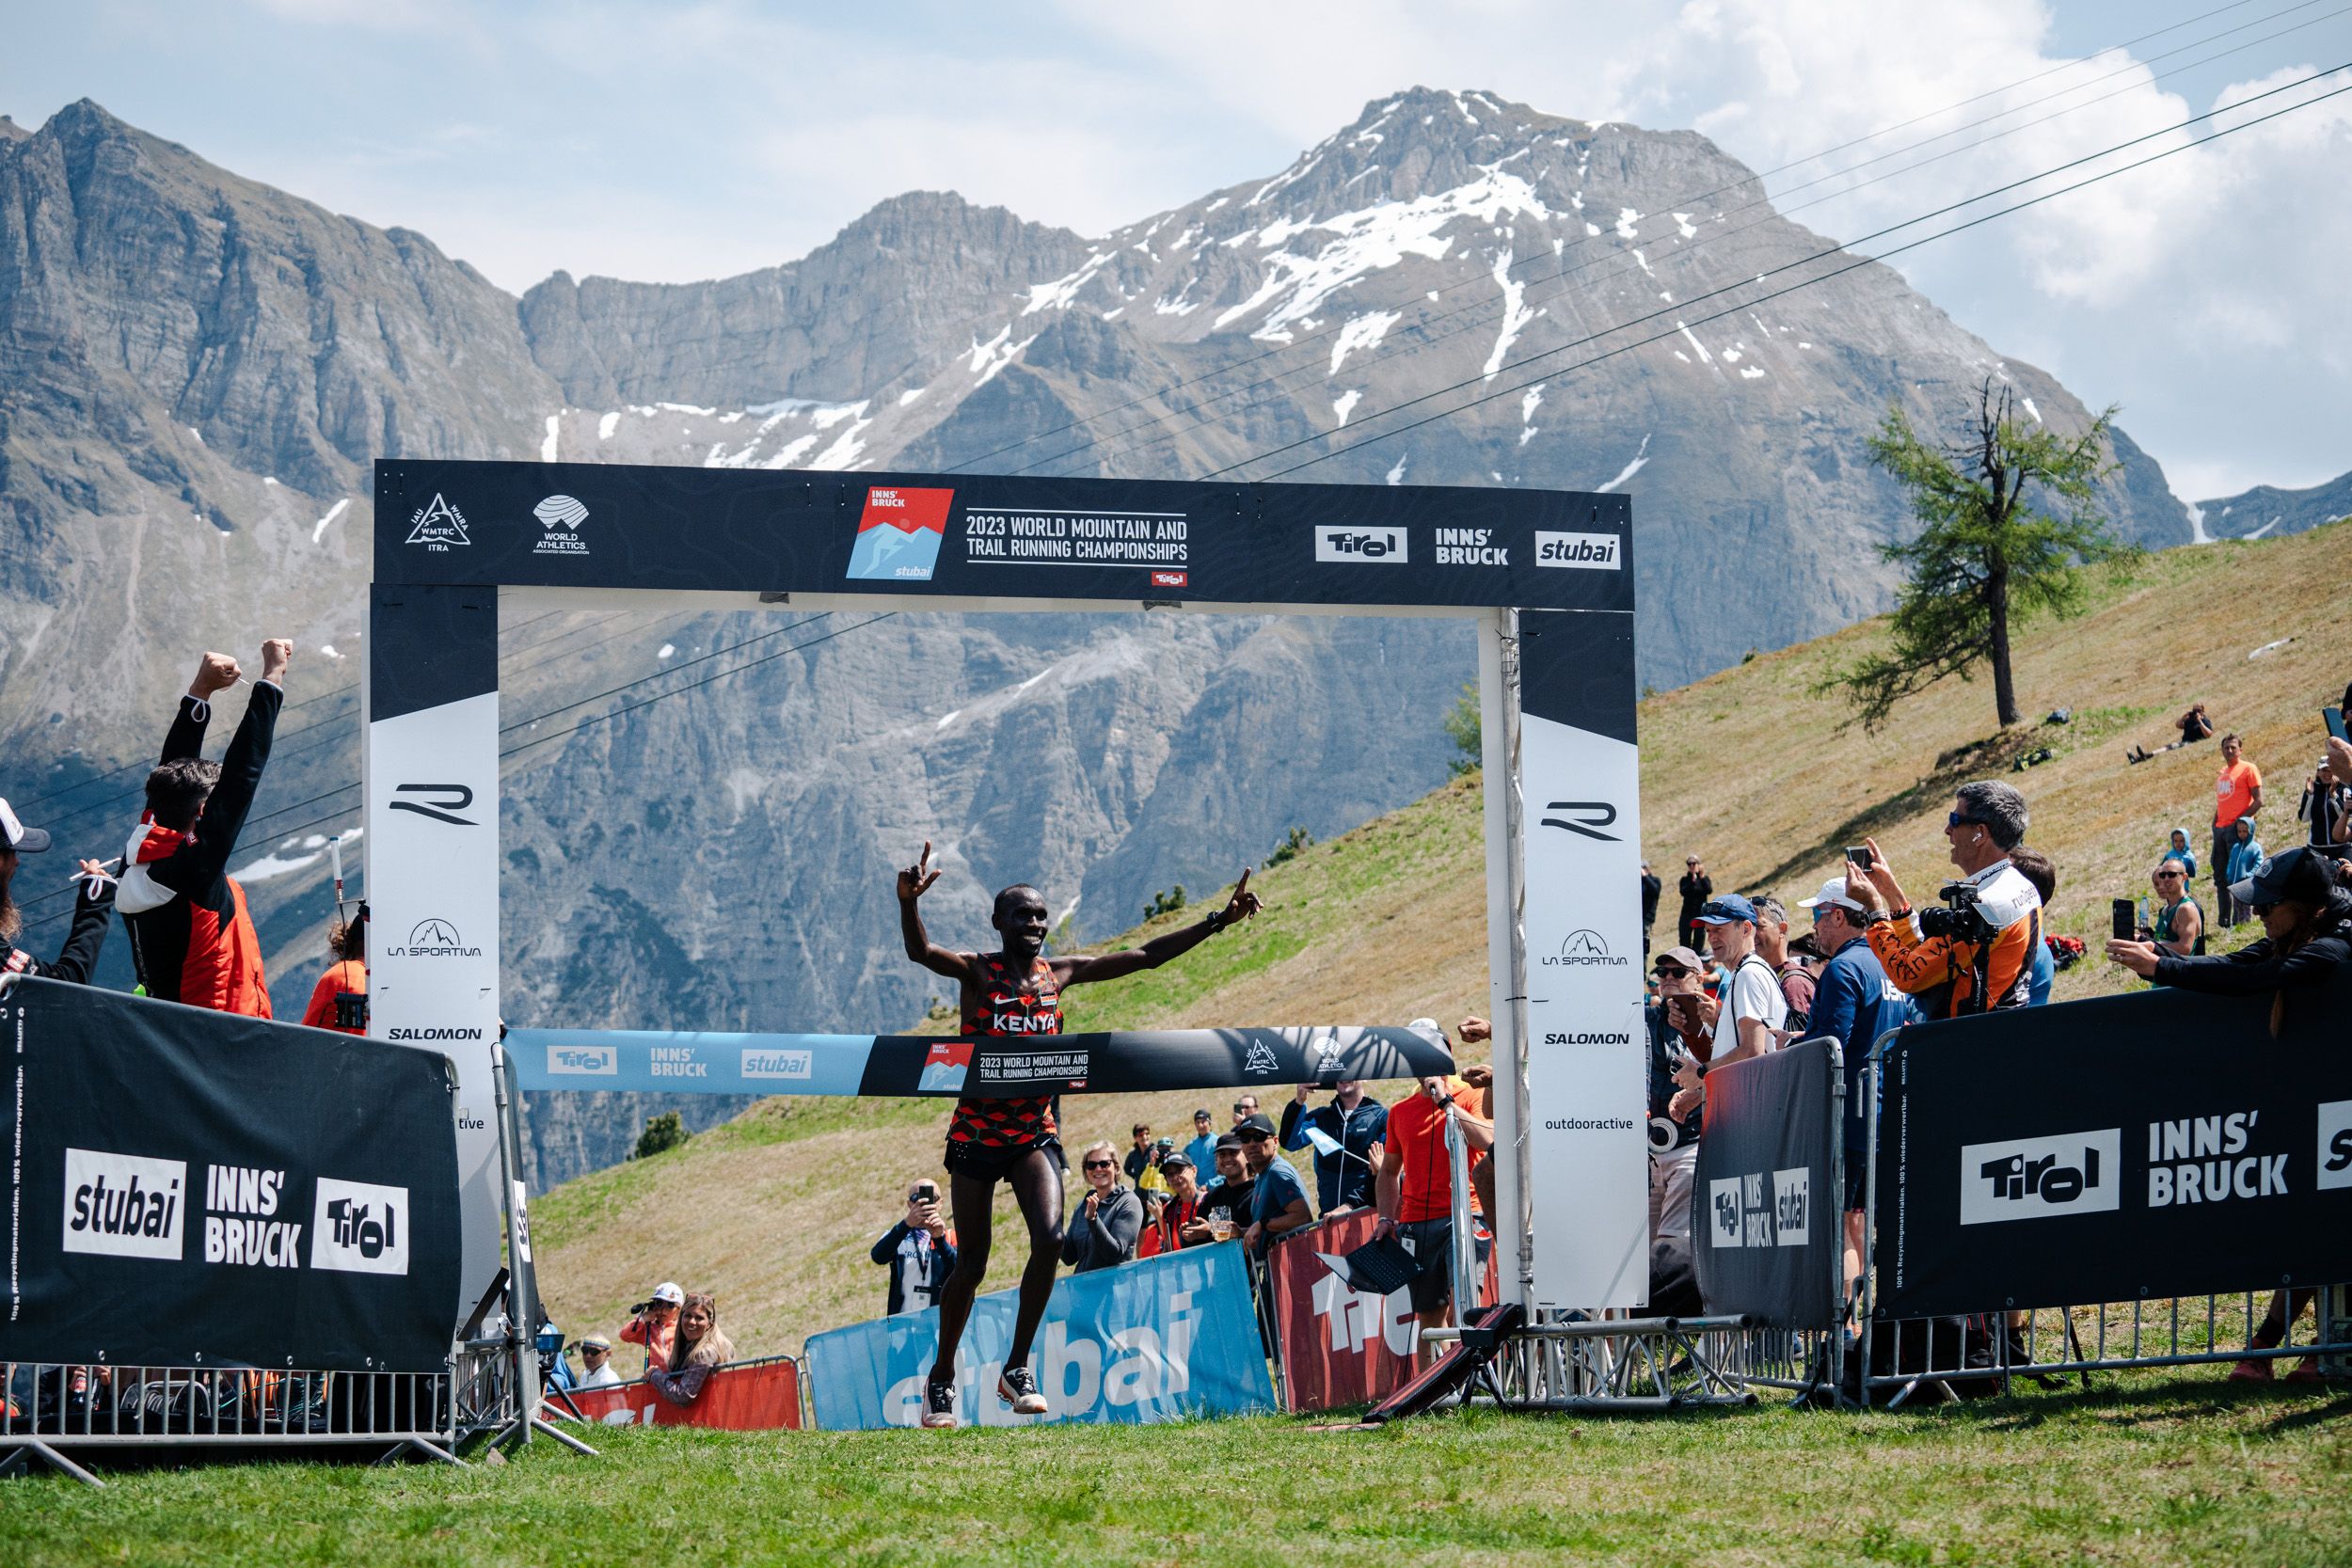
(1974, 953)
(653, 1324)
(920, 1251)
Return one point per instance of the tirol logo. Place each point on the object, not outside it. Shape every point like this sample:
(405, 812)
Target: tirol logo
(2031, 1179)
(124, 1204)
(944, 1067)
(1761, 1209)
(1585, 949)
(441, 802)
(1169, 580)
(437, 525)
(561, 516)
(360, 1227)
(434, 939)
(779, 1064)
(1586, 817)
(1594, 552)
(1386, 546)
(584, 1061)
(899, 537)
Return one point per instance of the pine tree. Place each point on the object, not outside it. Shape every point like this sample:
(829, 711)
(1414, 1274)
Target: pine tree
(2007, 525)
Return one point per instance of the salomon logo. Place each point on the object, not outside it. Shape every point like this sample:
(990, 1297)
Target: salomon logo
(124, 1205)
(448, 801)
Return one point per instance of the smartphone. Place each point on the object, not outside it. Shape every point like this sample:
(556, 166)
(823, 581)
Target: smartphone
(2334, 716)
(1859, 854)
(2126, 919)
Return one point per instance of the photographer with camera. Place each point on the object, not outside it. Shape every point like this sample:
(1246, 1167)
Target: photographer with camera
(653, 1324)
(1973, 953)
(920, 1251)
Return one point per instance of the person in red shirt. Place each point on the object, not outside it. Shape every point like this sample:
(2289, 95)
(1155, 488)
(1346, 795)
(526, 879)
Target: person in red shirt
(1015, 992)
(347, 977)
(1415, 1188)
(1182, 1208)
(2237, 792)
(655, 1325)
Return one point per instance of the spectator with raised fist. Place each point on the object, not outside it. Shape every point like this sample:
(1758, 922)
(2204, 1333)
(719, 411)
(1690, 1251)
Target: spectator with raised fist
(93, 896)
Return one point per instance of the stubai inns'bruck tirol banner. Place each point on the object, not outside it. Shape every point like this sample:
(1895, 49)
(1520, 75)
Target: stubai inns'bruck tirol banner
(1547, 574)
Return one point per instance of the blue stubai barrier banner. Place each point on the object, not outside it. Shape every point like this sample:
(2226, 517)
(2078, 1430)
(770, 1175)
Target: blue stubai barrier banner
(1153, 1340)
(1124, 1061)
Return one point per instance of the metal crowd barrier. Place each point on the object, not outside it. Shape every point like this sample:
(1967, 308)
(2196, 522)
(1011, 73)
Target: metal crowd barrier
(50, 1406)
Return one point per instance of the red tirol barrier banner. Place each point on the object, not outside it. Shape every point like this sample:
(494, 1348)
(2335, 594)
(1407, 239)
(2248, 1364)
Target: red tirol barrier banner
(1341, 1346)
(744, 1396)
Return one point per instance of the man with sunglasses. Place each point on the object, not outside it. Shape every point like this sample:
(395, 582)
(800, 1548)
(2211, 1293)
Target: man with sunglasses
(1674, 1141)
(2179, 924)
(1988, 964)
(1854, 1001)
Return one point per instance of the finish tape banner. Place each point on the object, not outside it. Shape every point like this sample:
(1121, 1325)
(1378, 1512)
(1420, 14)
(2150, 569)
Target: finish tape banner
(1151, 1340)
(2172, 1145)
(199, 1188)
(1765, 1233)
(1126, 1062)
(745, 1396)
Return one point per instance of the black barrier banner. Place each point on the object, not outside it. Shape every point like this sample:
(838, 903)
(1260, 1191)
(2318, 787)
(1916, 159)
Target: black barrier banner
(604, 524)
(1129, 1061)
(194, 1188)
(2160, 1144)
(1765, 1229)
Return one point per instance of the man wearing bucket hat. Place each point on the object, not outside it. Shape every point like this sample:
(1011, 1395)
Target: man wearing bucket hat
(1854, 1001)
(94, 896)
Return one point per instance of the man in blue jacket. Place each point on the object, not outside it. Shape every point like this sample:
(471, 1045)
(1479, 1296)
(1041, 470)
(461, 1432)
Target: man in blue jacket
(1854, 1001)
(1347, 1154)
(920, 1251)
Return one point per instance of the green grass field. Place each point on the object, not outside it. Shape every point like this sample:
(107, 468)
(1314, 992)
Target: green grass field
(2146, 1469)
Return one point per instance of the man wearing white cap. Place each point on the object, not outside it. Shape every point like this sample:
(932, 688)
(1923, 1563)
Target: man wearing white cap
(1854, 1001)
(654, 1327)
(93, 900)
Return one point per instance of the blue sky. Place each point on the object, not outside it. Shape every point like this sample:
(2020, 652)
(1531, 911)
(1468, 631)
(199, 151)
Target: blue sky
(681, 141)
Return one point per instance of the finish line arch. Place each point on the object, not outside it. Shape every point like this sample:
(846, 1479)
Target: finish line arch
(1546, 575)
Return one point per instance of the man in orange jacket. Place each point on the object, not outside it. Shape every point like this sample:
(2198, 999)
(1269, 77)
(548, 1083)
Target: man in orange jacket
(1977, 955)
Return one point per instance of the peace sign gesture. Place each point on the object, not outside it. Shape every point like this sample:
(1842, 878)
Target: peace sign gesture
(916, 879)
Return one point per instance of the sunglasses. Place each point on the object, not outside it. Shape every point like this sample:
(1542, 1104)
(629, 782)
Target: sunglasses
(1955, 820)
(1672, 972)
(2168, 876)
(1100, 1164)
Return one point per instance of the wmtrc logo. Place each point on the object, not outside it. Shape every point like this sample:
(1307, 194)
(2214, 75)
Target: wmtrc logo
(434, 939)
(1583, 816)
(438, 526)
(445, 802)
(561, 515)
(1585, 949)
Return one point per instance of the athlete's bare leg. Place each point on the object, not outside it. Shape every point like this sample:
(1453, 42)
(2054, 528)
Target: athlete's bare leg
(1037, 1187)
(971, 1200)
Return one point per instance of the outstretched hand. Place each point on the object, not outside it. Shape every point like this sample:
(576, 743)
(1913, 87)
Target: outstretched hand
(1244, 903)
(916, 879)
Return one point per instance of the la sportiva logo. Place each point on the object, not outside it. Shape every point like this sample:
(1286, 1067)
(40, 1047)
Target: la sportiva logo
(1584, 818)
(433, 937)
(1585, 949)
(560, 515)
(441, 802)
(1384, 546)
(360, 1227)
(124, 1205)
(2031, 1179)
(1592, 552)
(437, 525)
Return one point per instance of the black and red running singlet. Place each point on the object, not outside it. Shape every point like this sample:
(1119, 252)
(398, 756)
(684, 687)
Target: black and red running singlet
(1006, 1010)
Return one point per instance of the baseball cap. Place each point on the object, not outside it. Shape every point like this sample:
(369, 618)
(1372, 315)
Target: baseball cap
(668, 1290)
(1173, 1160)
(23, 840)
(1426, 1026)
(595, 1341)
(1726, 910)
(1682, 956)
(2269, 884)
(1690, 860)
(1833, 891)
(1226, 1141)
(1253, 1127)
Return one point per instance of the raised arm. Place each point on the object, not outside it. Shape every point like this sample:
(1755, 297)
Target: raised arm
(194, 866)
(215, 672)
(1110, 966)
(914, 881)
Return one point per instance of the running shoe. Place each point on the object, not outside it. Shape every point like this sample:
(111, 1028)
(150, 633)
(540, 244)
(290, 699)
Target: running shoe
(939, 1403)
(1017, 1388)
(2253, 1369)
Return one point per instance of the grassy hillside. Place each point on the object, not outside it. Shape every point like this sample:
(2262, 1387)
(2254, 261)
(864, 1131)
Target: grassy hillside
(776, 1211)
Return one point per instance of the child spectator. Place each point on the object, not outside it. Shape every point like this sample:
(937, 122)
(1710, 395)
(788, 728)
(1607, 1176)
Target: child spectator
(2179, 850)
(2245, 859)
